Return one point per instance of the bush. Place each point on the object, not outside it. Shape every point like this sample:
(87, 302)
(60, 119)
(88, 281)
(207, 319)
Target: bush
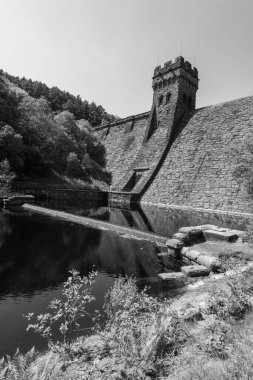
(76, 295)
(140, 330)
(233, 299)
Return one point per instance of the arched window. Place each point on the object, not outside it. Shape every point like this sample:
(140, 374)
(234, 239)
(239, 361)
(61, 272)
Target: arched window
(160, 100)
(189, 101)
(160, 85)
(184, 99)
(168, 96)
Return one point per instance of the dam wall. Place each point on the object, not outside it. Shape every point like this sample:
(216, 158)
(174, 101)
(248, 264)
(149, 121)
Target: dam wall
(176, 155)
(198, 170)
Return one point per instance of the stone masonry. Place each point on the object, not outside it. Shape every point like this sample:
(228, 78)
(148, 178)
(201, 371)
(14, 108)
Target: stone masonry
(176, 155)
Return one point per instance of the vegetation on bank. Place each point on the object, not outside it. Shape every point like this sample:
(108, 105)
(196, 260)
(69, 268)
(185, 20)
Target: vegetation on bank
(47, 133)
(143, 337)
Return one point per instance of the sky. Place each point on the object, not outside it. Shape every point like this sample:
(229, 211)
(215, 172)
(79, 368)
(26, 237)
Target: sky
(106, 50)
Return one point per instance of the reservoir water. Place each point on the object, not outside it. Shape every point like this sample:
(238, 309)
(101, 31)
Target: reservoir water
(36, 253)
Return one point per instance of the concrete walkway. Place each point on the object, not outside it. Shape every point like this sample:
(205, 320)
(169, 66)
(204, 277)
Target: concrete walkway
(98, 224)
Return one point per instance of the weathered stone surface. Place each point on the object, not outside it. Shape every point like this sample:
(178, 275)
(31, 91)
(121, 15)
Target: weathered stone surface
(210, 262)
(192, 254)
(182, 237)
(198, 169)
(174, 243)
(195, 270)
(229, 235)
(172, 276)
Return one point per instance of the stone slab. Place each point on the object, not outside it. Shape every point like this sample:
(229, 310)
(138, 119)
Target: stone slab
(212, 263)
(192, 254)
(229, 236)
(195, 270)
(172, 276)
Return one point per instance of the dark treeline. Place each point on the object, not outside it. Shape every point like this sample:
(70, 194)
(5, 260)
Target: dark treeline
(41, 138)
(62, 100)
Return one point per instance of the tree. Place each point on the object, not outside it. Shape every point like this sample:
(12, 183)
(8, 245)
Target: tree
(74, 168)
(6, 177)
(11, 147)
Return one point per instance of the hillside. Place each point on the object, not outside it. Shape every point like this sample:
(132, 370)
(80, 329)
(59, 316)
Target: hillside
(47, 135)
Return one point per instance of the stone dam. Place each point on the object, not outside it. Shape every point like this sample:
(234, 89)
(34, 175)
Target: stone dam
(176, 155)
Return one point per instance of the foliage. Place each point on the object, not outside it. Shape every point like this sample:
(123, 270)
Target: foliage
(6, 177)
(233, 300)
(231, 260)
(140, 330)
(63, 101)
(66, 313)
(74, 167)
(39, 134)
(11, 147)
(8, 105)
(18, 367)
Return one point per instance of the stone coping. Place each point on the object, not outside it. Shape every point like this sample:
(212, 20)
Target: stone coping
(199, 209)
(124, 120)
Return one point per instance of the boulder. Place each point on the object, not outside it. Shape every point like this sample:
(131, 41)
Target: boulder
(195, 270)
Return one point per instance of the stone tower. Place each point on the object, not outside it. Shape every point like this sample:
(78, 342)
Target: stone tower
(175, 86)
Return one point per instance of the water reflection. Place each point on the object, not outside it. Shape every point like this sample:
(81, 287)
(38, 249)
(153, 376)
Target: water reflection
(155, 219)
(35, 256)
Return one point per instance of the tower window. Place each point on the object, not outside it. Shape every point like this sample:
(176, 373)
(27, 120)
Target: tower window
(160, 100)
(184, 99)
(168, 96)
(189, 101)
(160, 85)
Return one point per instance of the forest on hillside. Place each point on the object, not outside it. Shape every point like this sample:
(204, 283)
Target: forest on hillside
(46, 132)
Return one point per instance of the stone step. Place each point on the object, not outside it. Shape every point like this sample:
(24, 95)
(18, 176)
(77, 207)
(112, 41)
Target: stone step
(195, 270)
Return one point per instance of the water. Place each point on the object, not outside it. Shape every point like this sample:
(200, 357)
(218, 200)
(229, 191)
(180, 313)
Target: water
(36, 253)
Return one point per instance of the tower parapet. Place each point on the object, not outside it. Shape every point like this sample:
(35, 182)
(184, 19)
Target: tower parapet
(179, 63)
(174, 94)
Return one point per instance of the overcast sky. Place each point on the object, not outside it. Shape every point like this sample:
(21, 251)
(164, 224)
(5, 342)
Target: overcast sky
(106, 50)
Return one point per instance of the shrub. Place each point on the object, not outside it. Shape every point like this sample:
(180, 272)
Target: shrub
(66, 313)
(233, 299)
(139, 329)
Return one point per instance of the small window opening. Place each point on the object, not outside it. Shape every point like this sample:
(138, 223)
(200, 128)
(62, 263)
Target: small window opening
(189, 101)
(160, 85)
(160, 100)
(184, 99)
(168, 96)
